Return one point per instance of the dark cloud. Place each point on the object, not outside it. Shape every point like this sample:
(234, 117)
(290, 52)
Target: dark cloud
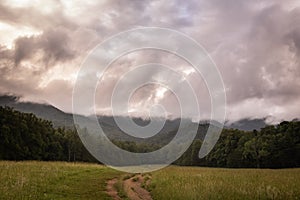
(54, 45)
(255, 44)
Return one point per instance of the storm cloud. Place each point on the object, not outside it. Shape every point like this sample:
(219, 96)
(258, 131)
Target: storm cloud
(255, 45)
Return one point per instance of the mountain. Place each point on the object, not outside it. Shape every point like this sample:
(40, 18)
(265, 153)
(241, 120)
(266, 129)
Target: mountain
(247, 124)
(108, 124)
(44, 111)
(163, 137)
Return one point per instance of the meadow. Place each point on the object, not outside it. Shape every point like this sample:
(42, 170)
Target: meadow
(53, 180)
(60, 180)
(219, 183)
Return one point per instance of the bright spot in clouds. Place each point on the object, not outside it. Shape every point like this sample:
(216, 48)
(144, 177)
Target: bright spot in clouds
(255, 45)
(160, 92)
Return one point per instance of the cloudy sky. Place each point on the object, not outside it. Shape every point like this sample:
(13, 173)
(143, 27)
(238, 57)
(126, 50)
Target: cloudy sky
(255, 45)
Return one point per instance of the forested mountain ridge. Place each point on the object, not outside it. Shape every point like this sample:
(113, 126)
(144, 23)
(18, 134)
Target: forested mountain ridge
(60, 118)
(44, 111)
(23, 136)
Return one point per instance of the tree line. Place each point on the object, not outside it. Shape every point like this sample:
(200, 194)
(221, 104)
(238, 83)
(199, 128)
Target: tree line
(24, 136)
(275, 146)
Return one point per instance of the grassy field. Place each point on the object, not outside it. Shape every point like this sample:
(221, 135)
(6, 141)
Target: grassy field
(58, 180)
(53, 180)
(207, 183)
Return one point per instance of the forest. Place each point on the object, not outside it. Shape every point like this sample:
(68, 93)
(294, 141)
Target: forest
(24, 136)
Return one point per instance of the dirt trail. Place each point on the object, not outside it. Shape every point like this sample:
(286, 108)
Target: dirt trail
(134, 190)
(111, 190)
(132, 187)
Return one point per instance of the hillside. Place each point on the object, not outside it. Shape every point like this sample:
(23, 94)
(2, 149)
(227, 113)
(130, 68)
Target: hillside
(62, 119)
(108, 124)
(247, 124)
(44, 111)
(23, 136)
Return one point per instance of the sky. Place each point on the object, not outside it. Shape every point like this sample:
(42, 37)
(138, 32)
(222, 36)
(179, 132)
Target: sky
(255, 45)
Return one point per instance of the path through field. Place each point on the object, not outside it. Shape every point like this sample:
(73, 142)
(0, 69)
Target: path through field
(132, 188)
(111, 190)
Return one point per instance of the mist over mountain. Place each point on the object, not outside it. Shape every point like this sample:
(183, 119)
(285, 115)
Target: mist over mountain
(60, 118)
(44, 111)
(247, 124)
